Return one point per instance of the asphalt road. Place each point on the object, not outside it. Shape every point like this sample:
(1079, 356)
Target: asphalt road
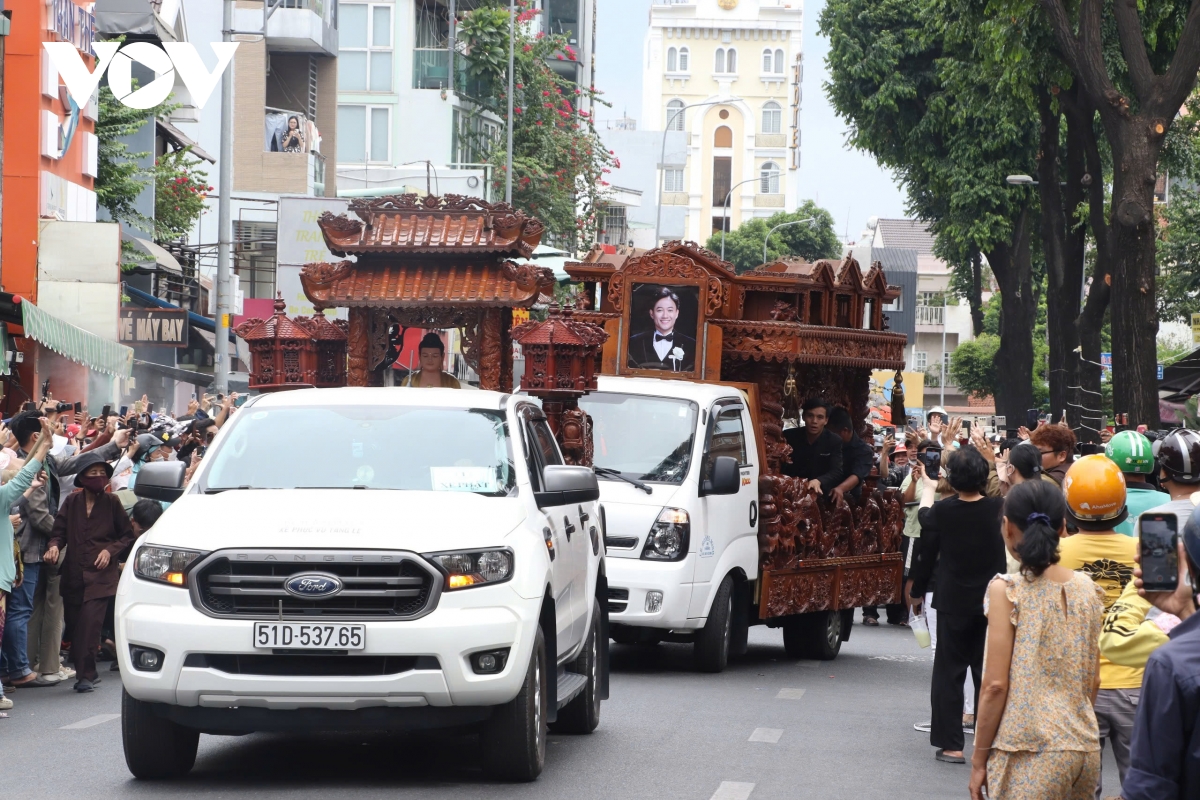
(766, 729)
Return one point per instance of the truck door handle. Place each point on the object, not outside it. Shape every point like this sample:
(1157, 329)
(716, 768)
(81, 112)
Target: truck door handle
(568, 527)
(583, 516)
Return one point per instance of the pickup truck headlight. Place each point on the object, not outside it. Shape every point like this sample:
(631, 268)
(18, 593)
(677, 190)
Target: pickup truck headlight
(668, 538)
(164, 564)
(467, 568)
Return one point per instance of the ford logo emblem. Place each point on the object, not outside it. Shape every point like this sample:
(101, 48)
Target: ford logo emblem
(313, 585)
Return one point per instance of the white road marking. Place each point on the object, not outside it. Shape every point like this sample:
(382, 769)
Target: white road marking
(789, 694)
(90, 722)
(731, 790)
(768, 735)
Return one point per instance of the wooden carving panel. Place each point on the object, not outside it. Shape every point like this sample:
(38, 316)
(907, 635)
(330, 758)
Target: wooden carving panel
(667, 268)
(784, 340)
(870, 586)
(798, 593)
(490, 354)
(357, 346)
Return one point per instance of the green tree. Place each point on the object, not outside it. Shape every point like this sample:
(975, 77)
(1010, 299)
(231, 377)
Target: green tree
(1179, 257)
(1135, 63)
(807, 240)
(559, 162)
(909, 85)
(119, 176)
(179, 192)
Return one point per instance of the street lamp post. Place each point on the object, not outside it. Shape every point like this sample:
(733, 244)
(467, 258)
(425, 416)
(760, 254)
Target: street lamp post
(512, 32)
(782, 225)
(725, 208)
(663, 157)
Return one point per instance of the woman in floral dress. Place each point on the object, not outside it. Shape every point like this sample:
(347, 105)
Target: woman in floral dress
(1035, 734)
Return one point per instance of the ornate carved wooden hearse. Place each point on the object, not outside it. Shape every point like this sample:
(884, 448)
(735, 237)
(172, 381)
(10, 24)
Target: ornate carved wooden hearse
(785, 332)
(433, 262)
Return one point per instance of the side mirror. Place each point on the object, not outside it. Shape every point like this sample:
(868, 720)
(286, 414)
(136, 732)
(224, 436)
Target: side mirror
(726, 477)
(563, 485)
(161, 480)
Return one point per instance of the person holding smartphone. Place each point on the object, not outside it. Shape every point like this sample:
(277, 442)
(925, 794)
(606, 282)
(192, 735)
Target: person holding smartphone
(1094, 488)
(1165, 757)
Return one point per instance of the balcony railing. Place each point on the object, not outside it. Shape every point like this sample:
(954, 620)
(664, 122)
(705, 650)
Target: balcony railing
(431, 68)
(931, 315)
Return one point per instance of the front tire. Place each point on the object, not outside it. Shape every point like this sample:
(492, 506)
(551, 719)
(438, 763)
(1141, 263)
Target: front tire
(155, 747)
(582, 714)
(514, 740)
(714, 640)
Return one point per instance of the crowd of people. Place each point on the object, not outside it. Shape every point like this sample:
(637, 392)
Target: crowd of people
(1022, 557)
(67, 480)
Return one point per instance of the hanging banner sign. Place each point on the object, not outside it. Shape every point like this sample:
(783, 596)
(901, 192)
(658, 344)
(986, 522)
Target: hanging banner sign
(166, 327)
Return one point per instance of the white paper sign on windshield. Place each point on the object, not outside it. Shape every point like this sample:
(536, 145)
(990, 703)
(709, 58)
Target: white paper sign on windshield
(463, 479)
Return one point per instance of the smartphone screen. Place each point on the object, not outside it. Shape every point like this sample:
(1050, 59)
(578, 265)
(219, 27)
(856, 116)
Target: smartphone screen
(78, 407)
(124, 411)
(106, 412)
(1031, 418)
(1159, 538)
(31, 406)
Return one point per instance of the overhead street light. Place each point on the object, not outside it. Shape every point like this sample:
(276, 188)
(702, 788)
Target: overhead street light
(1021, 180)
(725, 208)
(662, 177)
(782, 225)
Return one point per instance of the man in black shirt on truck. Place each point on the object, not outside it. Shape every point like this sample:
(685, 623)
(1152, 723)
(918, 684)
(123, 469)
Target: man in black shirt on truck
(816, 452)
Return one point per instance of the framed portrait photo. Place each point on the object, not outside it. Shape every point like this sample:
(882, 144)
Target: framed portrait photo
(664, 328)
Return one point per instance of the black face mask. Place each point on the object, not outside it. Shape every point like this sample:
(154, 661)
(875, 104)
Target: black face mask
(92, 483)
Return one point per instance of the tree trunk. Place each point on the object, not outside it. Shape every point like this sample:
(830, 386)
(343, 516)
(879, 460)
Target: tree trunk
(1134, 312)
(1014, 360)
(1064, 244)
(976, 298)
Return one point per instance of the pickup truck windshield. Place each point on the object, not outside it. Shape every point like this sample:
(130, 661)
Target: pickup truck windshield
(365, 447)
(647, 438)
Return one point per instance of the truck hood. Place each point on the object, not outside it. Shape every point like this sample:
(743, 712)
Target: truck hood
(629, 511)
(337, 518)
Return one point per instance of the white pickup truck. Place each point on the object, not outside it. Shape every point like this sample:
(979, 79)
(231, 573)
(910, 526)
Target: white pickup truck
(384, 559)
(679, 465)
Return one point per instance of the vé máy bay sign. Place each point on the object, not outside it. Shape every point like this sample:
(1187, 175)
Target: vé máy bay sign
(165, 327)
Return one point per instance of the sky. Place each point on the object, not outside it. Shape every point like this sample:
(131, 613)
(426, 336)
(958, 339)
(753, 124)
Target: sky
(848, 183)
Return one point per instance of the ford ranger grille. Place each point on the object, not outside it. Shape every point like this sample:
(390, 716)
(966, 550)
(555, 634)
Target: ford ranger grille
(373, 584)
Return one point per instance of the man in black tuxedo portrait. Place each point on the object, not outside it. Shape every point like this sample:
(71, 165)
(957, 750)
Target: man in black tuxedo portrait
(663, 347)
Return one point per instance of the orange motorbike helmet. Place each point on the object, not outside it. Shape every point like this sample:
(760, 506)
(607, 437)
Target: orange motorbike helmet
(1095, 493)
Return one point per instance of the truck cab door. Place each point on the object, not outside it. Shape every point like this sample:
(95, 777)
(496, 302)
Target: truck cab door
(725, 517)
(568, 534)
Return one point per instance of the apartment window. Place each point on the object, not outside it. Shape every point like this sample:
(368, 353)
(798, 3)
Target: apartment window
(365, 47)
(562, 18)
(778, 62)
(615, 229)
(769, 178)
(768, 61)
(772, 117)
(683, 59)
(364, 134)
(254, 247)
(725, 61)
(672, 59)
(929, 298)
(675, 120)
(722, 177)
(920, 360)
(673, 180)
(895, 305)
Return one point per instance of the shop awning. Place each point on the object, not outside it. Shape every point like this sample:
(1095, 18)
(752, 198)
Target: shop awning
(150, 255)
(75, 343)
(181, 140)
(176, 373)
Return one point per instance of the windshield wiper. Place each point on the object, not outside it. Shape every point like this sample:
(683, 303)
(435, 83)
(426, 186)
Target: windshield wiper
(613, 473)
(219, 489)
(355, 486)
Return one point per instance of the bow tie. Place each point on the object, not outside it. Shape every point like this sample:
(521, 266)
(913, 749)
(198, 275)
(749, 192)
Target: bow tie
(660, 337)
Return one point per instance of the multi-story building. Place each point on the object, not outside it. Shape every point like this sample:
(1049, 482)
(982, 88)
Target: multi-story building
(400, 62)
(727, 73)
(61, 268)
(940, 321)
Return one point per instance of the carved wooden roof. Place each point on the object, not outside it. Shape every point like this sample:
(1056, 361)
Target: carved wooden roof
(321, 328)
(276, 326)
(559, 328)
(447, 225)
(823, 273)
(424, 283)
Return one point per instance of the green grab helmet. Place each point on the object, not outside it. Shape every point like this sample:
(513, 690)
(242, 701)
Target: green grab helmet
(1132, 452)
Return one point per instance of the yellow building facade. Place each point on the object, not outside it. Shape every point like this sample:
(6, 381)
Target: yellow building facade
(726, 73)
